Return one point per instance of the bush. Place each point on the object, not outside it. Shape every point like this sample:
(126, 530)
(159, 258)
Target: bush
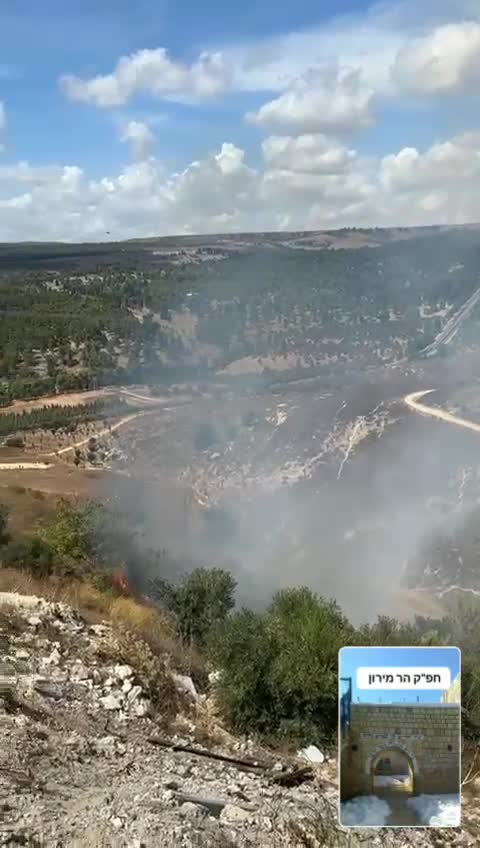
(152, 672)
(279, 668)
(4, 534)
(71, 532)
(29, 553)
(200, 601)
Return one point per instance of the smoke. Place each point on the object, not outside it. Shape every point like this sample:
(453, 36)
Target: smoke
(331, 483)
(349, 538)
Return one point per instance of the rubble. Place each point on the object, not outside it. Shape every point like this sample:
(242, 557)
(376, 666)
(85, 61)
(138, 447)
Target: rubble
(78, 767)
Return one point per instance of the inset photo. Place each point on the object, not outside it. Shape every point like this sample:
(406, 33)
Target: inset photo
(399, 737)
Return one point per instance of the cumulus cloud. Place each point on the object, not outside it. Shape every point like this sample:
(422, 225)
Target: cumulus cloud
(456, 160)
(140, 137)
(323, 100)
(310, 154)
(151, 72)
(303, 184)
(444, 61)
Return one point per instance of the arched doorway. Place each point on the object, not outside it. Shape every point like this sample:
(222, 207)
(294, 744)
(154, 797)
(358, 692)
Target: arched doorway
(392, 770)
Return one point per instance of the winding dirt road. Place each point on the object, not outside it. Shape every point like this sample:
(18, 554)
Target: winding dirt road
(153, 401)
(412, 401)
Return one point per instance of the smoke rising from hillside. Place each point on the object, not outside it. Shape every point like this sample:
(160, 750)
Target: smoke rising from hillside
(349, 538)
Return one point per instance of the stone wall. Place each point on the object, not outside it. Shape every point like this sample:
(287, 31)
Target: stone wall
(427, 735)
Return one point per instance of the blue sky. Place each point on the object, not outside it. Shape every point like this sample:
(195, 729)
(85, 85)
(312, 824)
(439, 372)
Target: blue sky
(353, 658)
(319, 105)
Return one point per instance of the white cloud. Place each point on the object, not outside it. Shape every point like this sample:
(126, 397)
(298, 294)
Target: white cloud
(446, 60)
(304, 184)
(151, 72)
(310, 154)
(140, 137)
(450, 165)
(322, 101)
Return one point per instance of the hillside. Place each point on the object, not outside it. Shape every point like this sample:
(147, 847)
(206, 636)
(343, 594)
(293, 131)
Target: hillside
(261, 307)
(246, 393)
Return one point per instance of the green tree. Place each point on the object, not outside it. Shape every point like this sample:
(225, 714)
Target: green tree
(72, 531)
(279, 668)
(199, 601)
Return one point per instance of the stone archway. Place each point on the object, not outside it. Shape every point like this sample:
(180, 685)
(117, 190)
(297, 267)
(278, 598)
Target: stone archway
(392, 768)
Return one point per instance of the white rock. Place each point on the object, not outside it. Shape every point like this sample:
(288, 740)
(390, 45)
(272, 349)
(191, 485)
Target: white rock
(34, 621)
(110, 702)
(134, 693)
(231, 813)
(214, 676)
(185, 684)
(192, 811)
(127, 686)
(53, 658)
(142, 708)
(312, 754)
(99, 629)
(22, 654)
(80, 672)
(13, 599)
(123, 671)
(116, 822)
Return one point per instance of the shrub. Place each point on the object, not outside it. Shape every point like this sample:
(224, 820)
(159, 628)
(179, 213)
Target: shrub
(279, 668)
(200, 601)
(29, 553)
(71, 532)
(4, 534)
(151, 670)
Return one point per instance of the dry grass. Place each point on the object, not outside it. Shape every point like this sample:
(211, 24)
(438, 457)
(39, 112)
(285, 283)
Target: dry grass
(27, 507)
(145, 622)
(93, 603)
(126, 615)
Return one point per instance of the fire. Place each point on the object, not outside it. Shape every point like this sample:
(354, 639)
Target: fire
(120, 582)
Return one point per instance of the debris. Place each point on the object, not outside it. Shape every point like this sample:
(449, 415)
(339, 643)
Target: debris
(233, 814)
(191, 810)
(110, 702)
(312, 754)
(155, 740)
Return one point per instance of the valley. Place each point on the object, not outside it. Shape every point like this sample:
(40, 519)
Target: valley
(312, 434)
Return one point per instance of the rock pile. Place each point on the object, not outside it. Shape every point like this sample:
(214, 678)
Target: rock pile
(78, 766)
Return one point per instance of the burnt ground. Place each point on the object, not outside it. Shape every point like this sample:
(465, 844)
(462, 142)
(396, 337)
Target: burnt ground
(340, 488)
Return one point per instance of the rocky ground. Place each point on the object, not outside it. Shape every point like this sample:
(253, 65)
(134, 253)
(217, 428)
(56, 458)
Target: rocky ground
(78, 766)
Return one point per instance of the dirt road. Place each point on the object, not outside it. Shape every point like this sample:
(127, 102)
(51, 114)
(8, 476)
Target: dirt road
(412, 401)
(104, 432)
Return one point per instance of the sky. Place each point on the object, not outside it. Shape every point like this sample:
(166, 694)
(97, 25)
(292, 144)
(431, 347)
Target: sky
(353, 658)
(160, 118)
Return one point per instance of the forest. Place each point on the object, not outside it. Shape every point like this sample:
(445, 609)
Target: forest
(54, 417)
(114, 324)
